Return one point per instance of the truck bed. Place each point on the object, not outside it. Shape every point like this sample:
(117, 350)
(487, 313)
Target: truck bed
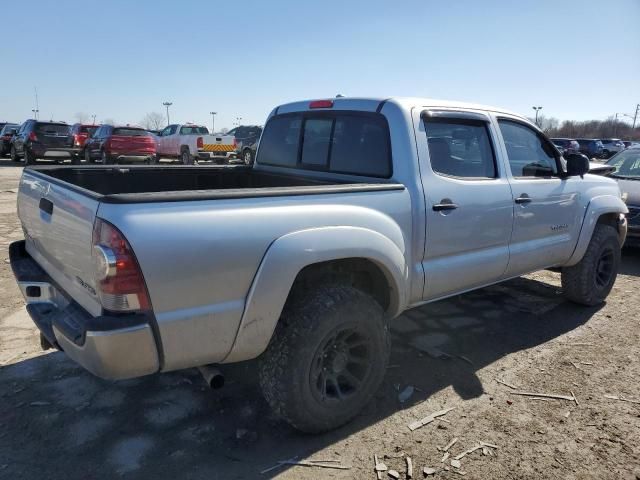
(134, 184)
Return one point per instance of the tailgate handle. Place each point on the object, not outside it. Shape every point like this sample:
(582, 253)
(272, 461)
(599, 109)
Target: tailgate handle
(46, 206)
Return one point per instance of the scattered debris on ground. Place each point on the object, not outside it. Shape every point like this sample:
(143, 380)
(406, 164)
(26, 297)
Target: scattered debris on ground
(428, 419)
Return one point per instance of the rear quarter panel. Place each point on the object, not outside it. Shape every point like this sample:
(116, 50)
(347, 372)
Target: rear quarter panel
(199, 258)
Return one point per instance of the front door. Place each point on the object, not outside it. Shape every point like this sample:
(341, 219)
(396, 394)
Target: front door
(469, 208)
(547, 215)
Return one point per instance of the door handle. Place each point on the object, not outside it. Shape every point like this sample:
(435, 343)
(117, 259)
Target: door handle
(46, 206)
(439, 207)
(524, 198)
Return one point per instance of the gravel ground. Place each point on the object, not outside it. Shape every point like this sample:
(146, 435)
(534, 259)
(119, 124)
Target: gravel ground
(59, 422)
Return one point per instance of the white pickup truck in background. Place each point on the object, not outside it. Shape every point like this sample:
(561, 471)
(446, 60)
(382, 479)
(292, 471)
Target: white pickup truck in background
(189, 143)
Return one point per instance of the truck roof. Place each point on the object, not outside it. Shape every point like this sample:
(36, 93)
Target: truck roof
(405, 103)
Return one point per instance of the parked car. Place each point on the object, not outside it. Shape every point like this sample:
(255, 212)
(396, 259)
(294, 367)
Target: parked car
(611, 146)
(36, 139)
(626, 165)
(568, 145)
(81, 134)
(6, 133)
(190, 142)
(591, 147)
(247, 137)
(627, 143)
(113, 144)
(354, 211)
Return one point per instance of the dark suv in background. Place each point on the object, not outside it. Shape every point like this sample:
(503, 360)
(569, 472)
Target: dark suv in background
(6, 133)
(591, 147)
(36, 139)
(247, 137)
(567, 145)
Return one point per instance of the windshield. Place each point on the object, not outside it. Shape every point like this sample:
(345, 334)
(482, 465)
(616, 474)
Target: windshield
(626, 163)
(8, 127)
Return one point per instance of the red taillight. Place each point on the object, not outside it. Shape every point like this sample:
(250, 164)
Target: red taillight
(119, 280)
(321, 104)
(199, 143)
(33, 137)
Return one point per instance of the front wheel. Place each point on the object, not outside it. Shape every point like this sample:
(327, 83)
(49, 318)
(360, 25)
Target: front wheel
(590, 280)
(327, 357)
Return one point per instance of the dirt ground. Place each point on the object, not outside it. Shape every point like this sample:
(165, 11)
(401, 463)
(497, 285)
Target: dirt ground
(59, 422)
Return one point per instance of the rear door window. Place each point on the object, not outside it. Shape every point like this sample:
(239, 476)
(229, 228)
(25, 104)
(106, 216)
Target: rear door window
(460, 148)
(349, 143)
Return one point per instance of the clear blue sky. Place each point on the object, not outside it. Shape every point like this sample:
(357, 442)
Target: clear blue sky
(121, 59)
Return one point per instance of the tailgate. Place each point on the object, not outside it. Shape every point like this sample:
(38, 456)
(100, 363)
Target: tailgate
(218, 143)
(58, 228)
(131, 144)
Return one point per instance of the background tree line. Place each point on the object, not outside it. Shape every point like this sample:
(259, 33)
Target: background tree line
(609, 128)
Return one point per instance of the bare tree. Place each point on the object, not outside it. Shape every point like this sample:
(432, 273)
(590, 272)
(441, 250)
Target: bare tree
(153, 121)
(224, 130)
(82, 117)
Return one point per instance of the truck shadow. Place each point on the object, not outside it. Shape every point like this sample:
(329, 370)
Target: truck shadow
(630, 262)
(171, 426)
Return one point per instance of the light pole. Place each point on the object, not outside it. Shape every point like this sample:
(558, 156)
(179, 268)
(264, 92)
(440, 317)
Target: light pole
(635, 116)
(238, 121)
(167, 104)
(35, 113)
(94, 118)
(213, 121)
(537, 109)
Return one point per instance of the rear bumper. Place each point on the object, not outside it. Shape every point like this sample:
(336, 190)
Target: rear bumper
(109, 346)
(133, 156)
(42, 151)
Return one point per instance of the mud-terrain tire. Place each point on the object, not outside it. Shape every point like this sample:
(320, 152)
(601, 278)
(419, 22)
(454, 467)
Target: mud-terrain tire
(590, 280)
(14, 155)
(29, 158)
(327, 358)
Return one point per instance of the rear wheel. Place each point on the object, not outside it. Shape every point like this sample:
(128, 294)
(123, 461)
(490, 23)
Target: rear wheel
(590, 280)
(87, 156)
(185, 157)
(326, 359)
(106, 158)
(29, 157)
(13, 154)
(247, 156)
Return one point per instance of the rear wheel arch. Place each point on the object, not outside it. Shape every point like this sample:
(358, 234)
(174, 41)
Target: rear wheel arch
(358, 257)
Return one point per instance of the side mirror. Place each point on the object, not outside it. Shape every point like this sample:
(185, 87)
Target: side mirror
(577, 164)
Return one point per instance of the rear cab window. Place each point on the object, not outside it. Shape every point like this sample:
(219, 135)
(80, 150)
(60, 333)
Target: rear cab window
(353, 143)
(193, 130)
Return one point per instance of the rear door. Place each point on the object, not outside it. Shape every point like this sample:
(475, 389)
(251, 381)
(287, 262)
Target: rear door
(469, 208)
(547, 216)
(58, 227)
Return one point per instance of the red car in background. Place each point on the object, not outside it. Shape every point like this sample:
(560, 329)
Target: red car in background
(113, 144)
(80, 134)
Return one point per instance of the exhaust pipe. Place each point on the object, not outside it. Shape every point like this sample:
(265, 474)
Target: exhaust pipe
(213, 376)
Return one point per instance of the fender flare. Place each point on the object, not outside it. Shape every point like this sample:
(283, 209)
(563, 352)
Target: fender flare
(288, 255)
(597, 207)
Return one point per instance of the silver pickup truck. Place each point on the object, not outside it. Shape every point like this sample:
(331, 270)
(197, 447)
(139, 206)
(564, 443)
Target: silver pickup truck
(354, 211)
